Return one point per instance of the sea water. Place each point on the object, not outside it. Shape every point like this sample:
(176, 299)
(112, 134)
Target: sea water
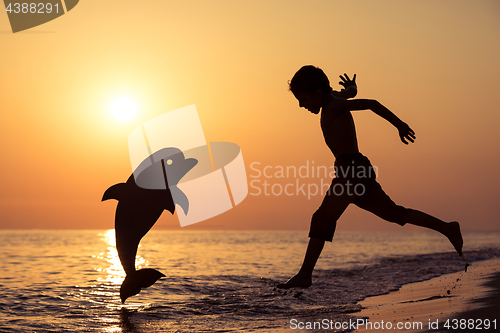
(68, 281)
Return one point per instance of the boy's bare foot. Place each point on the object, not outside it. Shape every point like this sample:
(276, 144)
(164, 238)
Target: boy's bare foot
(455, 236)
(298, 281)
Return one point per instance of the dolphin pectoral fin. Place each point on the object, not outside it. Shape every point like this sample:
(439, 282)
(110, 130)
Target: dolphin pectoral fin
(180, 198)
(137, 280)
(115, 192)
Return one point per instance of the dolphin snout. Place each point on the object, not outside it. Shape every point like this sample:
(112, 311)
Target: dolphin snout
(177, 167)
(189, 163)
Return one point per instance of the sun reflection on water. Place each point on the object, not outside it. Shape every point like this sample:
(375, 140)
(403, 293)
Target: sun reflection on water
(112, 276)
(114, 271)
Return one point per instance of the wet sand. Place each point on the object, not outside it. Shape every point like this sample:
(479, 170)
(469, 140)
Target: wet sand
(465, 299)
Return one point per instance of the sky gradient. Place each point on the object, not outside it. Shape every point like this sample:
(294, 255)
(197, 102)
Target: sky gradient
(433, 63)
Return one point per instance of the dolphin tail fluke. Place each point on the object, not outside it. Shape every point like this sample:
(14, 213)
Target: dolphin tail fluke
(137, 280)
(114, 192)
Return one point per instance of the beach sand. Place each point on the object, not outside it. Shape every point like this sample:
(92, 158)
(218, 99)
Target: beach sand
(472, 296)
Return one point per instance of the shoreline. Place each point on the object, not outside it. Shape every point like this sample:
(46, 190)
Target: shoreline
(488, 307)
(472, 294)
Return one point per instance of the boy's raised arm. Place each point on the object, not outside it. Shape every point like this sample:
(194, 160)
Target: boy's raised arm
(405, 132)
(350, 89)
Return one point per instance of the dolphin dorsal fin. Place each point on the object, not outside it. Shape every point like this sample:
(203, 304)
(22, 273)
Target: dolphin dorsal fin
(114, 192)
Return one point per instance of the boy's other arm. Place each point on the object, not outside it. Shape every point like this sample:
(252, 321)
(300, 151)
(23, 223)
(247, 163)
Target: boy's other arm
(350, 89)
(405, 132)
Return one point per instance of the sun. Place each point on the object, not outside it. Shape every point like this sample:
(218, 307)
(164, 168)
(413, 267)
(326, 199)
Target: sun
(123, 108)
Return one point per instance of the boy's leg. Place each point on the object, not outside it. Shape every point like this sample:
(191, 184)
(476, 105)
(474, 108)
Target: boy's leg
(449, 229)
(323, 226)
(303, 279)
(379, 203)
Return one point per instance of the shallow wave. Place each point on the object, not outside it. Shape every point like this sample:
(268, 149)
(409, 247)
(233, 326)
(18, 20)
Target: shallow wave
(219, 294)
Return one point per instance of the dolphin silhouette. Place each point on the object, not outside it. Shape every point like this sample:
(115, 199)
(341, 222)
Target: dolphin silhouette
(141, 201)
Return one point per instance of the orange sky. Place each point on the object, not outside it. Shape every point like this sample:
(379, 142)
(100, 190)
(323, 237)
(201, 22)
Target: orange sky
(434, 63)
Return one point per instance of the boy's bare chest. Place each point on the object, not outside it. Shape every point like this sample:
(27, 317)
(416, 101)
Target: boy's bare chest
(339, 132)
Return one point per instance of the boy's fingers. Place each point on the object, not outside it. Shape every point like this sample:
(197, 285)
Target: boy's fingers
(410, 138)
(346, 80)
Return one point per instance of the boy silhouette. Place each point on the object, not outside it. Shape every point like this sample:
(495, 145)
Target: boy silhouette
(354, 180)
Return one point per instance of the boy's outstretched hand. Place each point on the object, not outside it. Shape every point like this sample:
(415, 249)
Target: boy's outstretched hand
(347, 82)
(406, 133)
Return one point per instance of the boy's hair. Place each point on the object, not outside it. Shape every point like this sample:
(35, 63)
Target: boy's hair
(310, 79)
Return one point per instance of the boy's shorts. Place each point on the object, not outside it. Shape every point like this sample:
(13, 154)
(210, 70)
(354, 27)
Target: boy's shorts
(354, 182)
